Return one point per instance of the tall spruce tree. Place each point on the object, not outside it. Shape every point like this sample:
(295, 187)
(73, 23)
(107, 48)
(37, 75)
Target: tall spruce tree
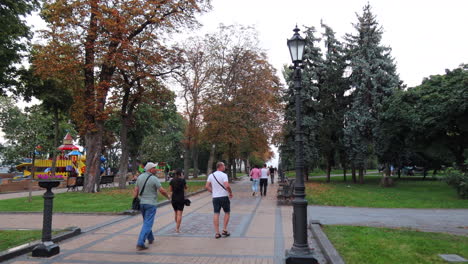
(373, 78)
(331, 99)
(309, 92)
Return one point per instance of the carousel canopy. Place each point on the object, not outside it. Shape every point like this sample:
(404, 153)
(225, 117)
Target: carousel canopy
(75, 153)
(68, 147)
(67, 143)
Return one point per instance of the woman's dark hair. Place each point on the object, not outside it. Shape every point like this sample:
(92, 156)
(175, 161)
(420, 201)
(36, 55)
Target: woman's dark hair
(178, 173)
(178, 183)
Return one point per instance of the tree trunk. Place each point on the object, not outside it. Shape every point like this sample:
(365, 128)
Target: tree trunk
(33, 171)
(56, 142)
(458, 153)
(195, 161)
(93, 136)
(361, 175)
(123, 164)
(186, 160)
(328, 170)
(209, 167)
(234, 169)
(247, 165)
(353, 174)
(344, 174)
(93, 157)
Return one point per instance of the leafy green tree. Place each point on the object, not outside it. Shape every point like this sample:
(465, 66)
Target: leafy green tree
(165, 143)
(428, 125)
(14, 36)
(23, 131)
(373, 79)
(56, 96)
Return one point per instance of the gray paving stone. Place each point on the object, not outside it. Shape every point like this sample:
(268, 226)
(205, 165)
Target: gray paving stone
(452, 258)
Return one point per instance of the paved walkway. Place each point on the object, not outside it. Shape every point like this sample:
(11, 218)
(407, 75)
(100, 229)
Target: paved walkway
(454, 221)
(260, 233)
(261, 230)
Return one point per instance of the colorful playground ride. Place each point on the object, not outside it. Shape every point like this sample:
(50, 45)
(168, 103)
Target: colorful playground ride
(65, 167)
(71, 164)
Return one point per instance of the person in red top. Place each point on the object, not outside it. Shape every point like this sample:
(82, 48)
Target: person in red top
(255, 174)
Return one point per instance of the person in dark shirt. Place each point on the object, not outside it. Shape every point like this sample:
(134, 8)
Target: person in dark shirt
(272, 174)
(177, 187)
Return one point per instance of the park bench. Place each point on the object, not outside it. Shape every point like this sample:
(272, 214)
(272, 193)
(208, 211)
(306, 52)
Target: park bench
(74, 182)
(106, 180)
(285, 189)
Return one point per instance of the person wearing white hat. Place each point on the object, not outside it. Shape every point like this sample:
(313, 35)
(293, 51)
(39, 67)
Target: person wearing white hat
(146, 188)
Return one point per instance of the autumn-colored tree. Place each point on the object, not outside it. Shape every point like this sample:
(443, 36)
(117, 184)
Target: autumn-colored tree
(242, 106)
(102, 34)
(194, 78)
(138, 80)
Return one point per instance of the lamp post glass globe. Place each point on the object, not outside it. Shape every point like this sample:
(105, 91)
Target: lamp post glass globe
(296, 46)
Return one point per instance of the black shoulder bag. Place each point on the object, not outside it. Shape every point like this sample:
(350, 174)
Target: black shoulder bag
(136, 200)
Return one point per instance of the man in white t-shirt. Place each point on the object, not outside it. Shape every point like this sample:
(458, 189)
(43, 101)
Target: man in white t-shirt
(218, 185)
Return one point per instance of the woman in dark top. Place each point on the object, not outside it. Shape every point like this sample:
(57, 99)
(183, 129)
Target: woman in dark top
(177, 187)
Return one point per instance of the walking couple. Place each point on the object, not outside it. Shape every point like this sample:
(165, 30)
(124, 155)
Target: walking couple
(146, 188)
(259, 176)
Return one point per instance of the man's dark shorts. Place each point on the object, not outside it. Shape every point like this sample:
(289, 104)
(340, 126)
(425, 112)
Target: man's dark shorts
(221, 202)
(178, 206)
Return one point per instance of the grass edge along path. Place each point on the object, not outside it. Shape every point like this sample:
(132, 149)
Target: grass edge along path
(13, 238)
(109, 200)
(357, 244)
(407, 193)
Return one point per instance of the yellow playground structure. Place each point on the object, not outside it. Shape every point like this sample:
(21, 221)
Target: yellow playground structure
(67, 165)
(73, 166)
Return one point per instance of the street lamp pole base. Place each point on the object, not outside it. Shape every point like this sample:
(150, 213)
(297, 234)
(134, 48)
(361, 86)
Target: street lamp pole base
(46, 249)
(292, 258)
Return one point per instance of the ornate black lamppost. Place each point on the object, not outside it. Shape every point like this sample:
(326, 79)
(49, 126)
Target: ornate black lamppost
(300, 251)
(47, 248)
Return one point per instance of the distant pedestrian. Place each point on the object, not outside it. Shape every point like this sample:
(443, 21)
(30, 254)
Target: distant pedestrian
(265, 172)
(166, 173)
(177, 186)
(255, 174)
(146, 188)
(218, 185)
(272, 174)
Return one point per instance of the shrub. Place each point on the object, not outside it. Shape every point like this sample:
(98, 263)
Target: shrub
(458, 180)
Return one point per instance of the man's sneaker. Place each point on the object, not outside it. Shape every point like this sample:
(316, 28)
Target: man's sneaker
(141, 247)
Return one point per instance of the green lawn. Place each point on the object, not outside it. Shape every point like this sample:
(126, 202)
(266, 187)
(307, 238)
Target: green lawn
(12, 238)
(407, 193)
(108, 200)
(383, 245)
(318, 172)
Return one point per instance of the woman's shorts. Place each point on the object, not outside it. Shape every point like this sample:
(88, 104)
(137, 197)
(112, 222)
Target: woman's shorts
(177, 205)
(221, 202)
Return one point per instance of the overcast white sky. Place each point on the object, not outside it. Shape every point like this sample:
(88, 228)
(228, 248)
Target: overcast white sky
(426, 36)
